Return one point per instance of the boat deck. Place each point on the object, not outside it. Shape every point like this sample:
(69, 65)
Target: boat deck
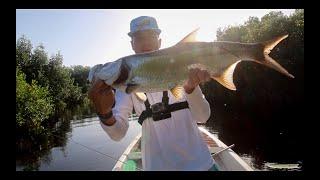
(134, 161)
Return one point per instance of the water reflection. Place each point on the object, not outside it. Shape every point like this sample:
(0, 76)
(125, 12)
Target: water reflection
(259, 139)
(77, 143)
(265, 141)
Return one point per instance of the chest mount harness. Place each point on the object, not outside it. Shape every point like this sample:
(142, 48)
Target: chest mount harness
(161, 110)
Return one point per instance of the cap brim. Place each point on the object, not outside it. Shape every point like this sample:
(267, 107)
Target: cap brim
(158, 31)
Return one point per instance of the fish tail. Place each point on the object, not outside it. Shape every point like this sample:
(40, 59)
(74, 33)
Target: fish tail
(268, 61)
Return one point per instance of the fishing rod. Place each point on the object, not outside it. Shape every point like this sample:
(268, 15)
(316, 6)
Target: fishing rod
(98, 152)
(215, 154)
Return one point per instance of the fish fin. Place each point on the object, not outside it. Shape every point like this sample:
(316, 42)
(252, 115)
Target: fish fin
(177, 92)
(141, 96)
(191, 37)
(226, 78)
(269, 45)
(271, 63)
(131, 87)
(268, 61)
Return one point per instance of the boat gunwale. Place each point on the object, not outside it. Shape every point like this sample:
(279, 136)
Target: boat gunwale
(125, 154)
(229, 152)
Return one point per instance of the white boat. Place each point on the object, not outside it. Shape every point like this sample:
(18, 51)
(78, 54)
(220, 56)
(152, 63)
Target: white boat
(224, 156)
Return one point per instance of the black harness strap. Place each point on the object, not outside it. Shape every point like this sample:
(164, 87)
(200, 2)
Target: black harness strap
(146, 113)
(165, 98)
(178, 106)
(162, 115)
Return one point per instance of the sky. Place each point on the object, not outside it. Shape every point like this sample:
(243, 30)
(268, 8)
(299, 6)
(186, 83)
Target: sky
(89, 37)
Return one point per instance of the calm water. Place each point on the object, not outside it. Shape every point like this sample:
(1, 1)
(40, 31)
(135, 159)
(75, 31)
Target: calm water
(100, 151)
(73, 156)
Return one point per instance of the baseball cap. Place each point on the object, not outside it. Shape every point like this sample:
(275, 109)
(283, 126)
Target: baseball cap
(143, 23)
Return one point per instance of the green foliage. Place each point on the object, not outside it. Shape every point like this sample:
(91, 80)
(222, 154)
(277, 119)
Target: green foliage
(33, 105)
(38, 66)
(80, 75)
(45, 88)
(61, 85)
(23, 53)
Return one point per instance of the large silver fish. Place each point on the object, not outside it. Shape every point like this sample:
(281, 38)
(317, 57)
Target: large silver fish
(168, 68)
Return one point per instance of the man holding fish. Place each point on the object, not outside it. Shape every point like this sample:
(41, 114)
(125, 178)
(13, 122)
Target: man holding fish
(162, 86)
(173, 143)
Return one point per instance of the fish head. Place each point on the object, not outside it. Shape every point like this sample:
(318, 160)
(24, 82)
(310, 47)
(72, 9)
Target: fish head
(93, 71)
(109, 72)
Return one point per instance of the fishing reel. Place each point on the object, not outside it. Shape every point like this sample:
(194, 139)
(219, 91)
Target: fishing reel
(160, 111)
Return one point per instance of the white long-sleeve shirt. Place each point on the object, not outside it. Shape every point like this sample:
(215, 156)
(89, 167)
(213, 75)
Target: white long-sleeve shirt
(170, 144)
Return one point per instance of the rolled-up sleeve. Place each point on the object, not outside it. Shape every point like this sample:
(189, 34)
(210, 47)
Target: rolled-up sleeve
(121, 112)
(198, 105)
